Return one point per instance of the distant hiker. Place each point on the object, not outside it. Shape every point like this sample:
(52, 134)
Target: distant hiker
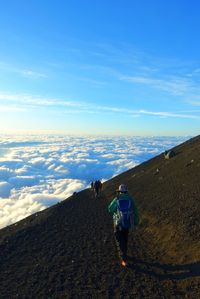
(97, 188)
(92, 185)
(169, 154)
(100, 186)
(125, 217)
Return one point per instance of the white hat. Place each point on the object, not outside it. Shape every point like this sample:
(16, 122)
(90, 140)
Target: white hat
(122, 188)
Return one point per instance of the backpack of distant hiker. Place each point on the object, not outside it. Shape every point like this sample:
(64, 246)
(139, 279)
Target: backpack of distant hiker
(169, 154)
(97, 185)
(124, 215)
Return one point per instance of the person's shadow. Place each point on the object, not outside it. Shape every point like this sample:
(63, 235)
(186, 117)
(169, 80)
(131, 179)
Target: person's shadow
(165, 271)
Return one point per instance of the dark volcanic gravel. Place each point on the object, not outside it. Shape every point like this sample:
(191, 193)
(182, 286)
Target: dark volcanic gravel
(68, 250)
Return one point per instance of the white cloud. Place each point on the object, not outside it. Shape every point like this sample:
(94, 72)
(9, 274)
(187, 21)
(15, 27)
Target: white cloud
(28, 73)
(22, 103)
(38, 171)
(38, 100)
(169, 114)
(15, 210)
(175, 86)
(12, 109)
(32, 74)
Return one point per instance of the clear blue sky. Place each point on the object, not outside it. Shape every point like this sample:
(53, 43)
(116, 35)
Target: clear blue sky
(100, 67)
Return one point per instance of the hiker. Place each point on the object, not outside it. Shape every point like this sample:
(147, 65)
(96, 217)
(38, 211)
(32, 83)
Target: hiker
(100, 186)
(169, 154)
(125, 217)
(92, 185)
(97, 188)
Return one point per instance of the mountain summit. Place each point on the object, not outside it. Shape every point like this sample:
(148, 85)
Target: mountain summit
(68, 250)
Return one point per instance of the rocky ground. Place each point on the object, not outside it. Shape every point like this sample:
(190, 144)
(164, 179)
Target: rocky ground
(68, 250)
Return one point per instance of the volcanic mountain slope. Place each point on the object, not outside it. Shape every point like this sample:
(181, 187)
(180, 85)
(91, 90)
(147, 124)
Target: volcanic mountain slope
(68, 250)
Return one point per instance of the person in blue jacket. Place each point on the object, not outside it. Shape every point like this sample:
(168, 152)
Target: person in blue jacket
(125, 216)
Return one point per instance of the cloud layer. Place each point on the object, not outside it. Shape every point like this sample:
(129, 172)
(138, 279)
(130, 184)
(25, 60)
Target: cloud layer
(39, 171)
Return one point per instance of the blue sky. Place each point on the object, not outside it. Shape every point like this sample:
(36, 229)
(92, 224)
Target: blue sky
(100, 67)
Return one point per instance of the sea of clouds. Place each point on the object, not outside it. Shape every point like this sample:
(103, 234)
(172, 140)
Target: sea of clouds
(39, 171)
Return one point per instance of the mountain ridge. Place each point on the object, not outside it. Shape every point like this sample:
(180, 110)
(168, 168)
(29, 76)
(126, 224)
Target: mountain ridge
(68, 250)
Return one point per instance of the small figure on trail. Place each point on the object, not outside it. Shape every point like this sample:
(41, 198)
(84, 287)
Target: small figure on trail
(169, 154)
(92, 185)
(97, 188)
(125, 217)
(100, 186)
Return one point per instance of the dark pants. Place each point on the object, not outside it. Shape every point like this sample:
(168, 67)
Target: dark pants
(96, 192)
(121, 236)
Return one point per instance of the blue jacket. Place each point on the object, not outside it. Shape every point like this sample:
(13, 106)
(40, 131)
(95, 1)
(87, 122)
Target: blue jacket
(112, 208)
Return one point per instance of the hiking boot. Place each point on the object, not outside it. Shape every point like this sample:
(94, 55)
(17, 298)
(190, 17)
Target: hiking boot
(123, 263)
